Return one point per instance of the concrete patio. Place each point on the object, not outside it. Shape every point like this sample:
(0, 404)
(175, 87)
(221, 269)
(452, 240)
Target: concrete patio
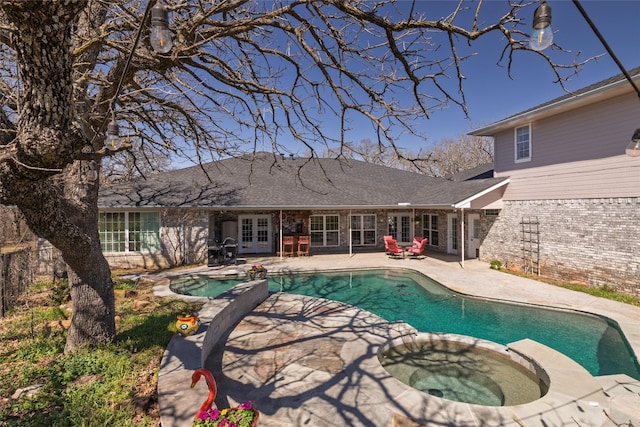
(309, 362)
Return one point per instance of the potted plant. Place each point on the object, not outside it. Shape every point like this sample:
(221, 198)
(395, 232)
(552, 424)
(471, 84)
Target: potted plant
(257, 272)
(495, 264)
(243, 415)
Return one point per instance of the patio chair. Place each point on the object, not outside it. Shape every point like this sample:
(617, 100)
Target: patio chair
(288, 244)
(391, 247)
(303, 245)
(418, 247)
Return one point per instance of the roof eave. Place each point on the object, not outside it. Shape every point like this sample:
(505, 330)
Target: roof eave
(567, 104)
(466, 203)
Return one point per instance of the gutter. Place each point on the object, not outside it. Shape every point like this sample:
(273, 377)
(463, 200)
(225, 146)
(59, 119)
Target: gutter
(576, 101)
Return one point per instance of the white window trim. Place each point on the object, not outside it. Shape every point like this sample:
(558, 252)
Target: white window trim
(362, 229)
(515, 144)
(426, 225)
(126, 232)
(324, 231)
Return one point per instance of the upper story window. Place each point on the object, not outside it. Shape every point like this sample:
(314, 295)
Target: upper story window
(523, 144)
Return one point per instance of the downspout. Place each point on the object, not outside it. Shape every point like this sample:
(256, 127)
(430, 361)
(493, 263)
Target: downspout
(350, 236)
(184, 244)
(413, 222)
(280, 234)
(462, 237)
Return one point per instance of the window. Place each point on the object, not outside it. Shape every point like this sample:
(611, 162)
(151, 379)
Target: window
(491, 212)
(476, 228)
(324, 230)
(363, 230)
(129, 231)
(523, 143)
(430, 228)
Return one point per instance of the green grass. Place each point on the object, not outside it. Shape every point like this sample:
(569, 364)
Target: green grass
(602, 292)
(113, 385)
(605, 291)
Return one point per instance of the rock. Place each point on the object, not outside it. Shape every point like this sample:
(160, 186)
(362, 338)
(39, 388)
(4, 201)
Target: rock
(28, 391)
(140, 304)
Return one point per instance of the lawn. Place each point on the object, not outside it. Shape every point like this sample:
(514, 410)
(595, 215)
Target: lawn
(114, 385)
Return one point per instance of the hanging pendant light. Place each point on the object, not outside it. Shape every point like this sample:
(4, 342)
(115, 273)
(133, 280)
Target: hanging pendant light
(160, 35)
(112, 141)
(633, 149)
(542, 35)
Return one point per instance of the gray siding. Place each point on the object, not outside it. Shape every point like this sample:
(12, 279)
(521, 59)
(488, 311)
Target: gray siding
(578, 154)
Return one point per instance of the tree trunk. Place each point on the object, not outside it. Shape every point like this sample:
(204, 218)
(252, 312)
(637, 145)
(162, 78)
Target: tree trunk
(49, 169)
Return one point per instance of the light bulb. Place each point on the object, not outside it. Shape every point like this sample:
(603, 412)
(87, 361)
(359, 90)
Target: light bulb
(160, 35)
(542, 35)
(112, 140)
(541, 38)
(633, 149)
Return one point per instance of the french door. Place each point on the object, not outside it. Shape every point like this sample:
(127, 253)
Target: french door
(399, 227)
(254, 234)
(452, 233)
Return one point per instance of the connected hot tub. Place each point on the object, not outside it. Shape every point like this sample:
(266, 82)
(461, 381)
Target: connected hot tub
(462, 369)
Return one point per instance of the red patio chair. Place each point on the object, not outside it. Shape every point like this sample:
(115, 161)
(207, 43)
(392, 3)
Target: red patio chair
(391, 247)
(418, 247)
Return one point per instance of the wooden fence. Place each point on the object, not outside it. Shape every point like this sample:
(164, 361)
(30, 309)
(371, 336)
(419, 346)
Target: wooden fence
(17, 273)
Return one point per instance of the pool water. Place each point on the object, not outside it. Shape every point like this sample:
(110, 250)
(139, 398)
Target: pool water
(403, 295)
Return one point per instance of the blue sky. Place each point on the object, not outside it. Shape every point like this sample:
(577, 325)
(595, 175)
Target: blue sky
(491, 95)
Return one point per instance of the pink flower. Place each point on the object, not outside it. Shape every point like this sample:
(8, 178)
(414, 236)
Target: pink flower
(245, 405)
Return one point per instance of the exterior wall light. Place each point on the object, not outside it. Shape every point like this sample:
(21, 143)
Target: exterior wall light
(160, 35)
(633, 149)
(542, 35)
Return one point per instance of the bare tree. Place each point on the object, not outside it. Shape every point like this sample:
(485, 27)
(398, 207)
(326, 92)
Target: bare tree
(240, 72)
(135, 163)
(451, 156)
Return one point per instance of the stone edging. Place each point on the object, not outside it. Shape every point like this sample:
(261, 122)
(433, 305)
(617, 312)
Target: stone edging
(184, 354)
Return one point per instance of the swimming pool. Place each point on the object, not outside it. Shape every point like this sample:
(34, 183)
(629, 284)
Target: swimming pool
(404, 295)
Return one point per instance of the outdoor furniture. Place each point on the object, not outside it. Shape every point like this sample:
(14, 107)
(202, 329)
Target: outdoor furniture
(230, 248)
(418, 247)
(288, 246)
(391, 247)
(304, 245)
(214, 253)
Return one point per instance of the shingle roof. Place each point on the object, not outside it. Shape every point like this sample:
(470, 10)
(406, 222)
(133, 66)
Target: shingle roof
(265, 181)
(634, 72)
(479, 172)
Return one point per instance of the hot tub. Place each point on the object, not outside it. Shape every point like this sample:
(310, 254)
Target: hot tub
(462, 369)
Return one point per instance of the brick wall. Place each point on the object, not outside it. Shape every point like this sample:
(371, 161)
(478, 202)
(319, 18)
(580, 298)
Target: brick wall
(588, 241)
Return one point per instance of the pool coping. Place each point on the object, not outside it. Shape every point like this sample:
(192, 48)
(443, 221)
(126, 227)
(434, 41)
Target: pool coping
(564, 399)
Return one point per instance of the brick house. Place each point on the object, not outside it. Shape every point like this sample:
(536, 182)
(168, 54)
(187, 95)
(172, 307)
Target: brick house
(572, 209)
(345, 206)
